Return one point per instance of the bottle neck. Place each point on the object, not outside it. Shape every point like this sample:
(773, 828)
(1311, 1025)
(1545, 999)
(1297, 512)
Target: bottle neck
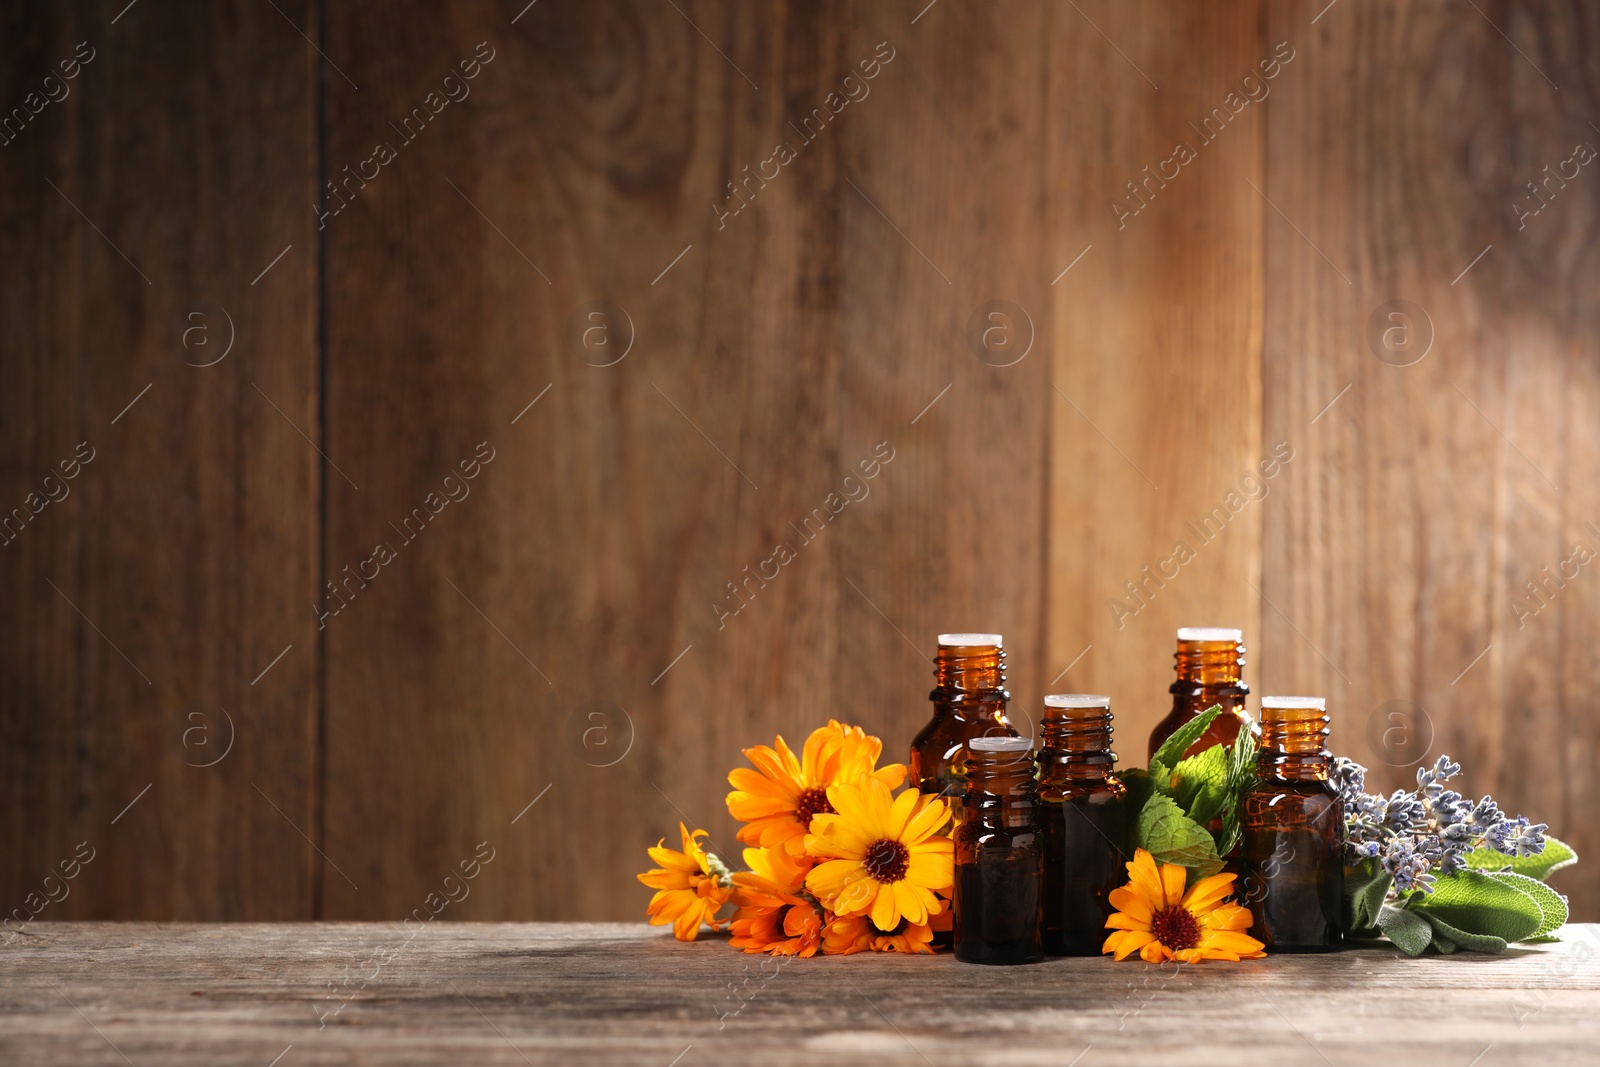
(973, 669)
(1000, 789)
(1209, 664)
(1293, 745)
(1076, 745)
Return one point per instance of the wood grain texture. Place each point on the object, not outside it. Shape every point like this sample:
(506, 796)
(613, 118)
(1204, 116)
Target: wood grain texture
(626, 524)
(1432, 491)
(674, 552)
(144, 602)
(1156, 405)
(540, 993)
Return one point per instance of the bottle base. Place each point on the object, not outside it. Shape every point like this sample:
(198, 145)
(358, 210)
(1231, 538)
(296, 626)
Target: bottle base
(1302, 949)
(1001, 960)
(1071, 947)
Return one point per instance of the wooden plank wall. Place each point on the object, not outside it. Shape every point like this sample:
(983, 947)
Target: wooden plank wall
(140, 211)
(510, 430)
(1447, 476)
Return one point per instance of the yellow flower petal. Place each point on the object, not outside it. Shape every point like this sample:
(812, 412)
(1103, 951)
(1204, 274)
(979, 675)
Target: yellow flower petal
(1132, 903)
(934, 870)
(1207, 893)
(1173, 878)
(900, 812)
(1132, 941)
(930, 818)
(1229, 941)
(1144, 878)
(909, 902)
(884, 912)
(1228, 917)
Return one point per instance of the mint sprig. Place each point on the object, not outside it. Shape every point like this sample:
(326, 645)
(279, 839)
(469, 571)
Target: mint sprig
(1180, 797)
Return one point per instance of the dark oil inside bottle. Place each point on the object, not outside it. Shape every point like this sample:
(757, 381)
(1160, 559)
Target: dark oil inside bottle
(1084, 862)
(998, 895)
(1209, 673)
(969, 700)
(1292, 852)
(1082, 822)
(997, 860)
(1292, 861)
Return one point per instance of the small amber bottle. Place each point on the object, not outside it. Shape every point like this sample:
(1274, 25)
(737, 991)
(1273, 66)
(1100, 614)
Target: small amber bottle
(1083, 823)
(998, 856)
(1293, 822)
(969, 700)
(1209, 664)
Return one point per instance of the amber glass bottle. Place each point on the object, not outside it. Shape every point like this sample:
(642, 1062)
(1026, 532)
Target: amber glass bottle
(1293, 822)
(1082, 820)
(1209, 664)
(997, 855)
(969, 700)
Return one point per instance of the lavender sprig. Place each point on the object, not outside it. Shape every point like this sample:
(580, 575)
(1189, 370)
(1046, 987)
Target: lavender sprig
(1416, 836)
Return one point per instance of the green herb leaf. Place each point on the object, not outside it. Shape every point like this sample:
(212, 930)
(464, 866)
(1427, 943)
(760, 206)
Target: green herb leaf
(1242, 759)
(1200, 784)
(1160, 778)
(1172, 750)
(1476, 903)
(1556, 855)
(1364, 888)
(1411, 933)
(1445, 934)
(1551, 903)
(1241, 776)
(1172, 837)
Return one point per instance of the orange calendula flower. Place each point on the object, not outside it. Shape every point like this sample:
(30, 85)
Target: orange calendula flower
(778, 799)
(915, 938)
(848, 935)
(691, 886)
(775, 915)
(882, 855)
(1159, 921)
(855, 933)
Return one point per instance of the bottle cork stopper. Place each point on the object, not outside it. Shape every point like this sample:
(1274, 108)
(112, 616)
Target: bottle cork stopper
(969, 640)
(1295, 703)
(1077, 700)
(1001, 744)
(1209, 633)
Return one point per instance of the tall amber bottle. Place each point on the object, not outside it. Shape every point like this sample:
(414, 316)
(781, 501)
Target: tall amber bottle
(969, 700)
(998, 855)
(1293, 849)
(1210, 662)
(1082, 819)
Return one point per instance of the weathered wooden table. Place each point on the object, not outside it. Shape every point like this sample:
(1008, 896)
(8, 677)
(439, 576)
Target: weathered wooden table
(537, 993)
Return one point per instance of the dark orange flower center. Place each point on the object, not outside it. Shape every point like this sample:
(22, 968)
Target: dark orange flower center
(811, 802)
(887, 860)
(1176, 928)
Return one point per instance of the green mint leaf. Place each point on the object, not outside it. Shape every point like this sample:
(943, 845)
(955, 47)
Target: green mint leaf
(1410, 933)
(1242, 760)
(1241, 776)
(1551, 903)
(1160, 778)
(1172, 837)
(1556, 855)
(1476, 903)
(1444, 933)
(1200, 784)
(1172, 750)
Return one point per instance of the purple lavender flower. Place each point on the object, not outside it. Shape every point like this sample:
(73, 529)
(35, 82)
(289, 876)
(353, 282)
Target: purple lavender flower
(1417, 836)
